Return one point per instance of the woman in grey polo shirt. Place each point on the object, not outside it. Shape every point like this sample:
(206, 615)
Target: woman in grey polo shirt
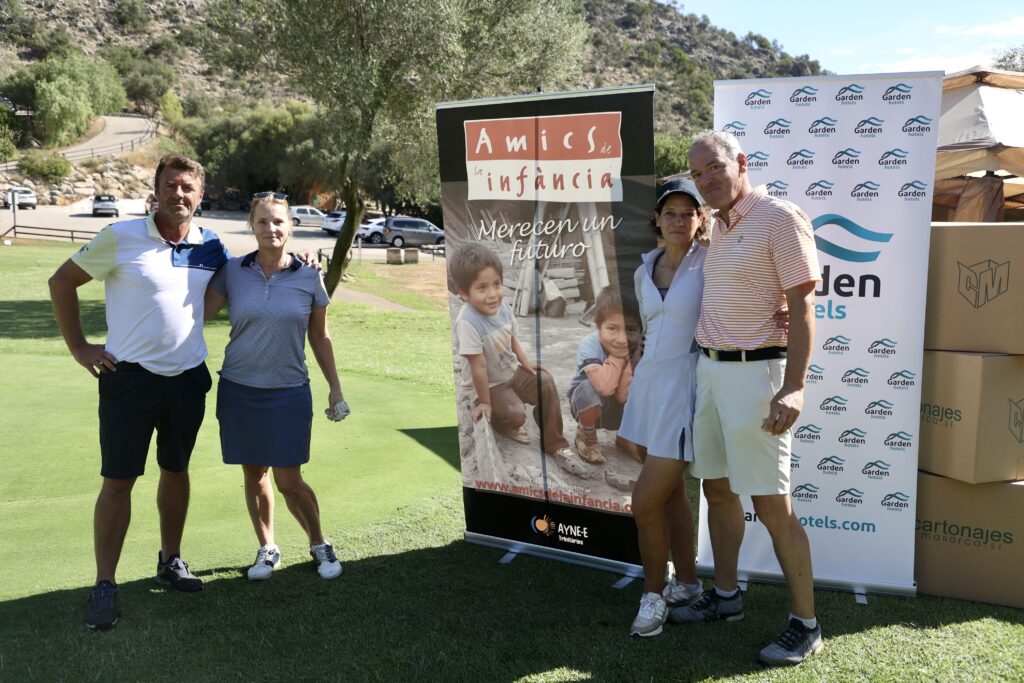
(264, 404)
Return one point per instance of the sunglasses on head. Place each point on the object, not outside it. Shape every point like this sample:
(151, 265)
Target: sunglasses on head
(270, 195)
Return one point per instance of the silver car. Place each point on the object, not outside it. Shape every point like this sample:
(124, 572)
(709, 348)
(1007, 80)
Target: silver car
(105, 204)
(400, 231)
(25, 198)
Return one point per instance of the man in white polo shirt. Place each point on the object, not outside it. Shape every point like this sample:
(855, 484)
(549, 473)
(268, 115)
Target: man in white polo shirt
(152, 371)
(750, 383)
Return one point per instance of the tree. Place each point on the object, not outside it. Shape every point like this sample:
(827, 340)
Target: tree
(376, 68)
(63, 110)
(1010, 60)
(671, 154)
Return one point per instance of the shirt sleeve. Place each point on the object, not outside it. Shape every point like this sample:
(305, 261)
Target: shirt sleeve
(320, 296)
(468, 339)
(99, 256)
(589, 352)
(219, 281)
(793, 249)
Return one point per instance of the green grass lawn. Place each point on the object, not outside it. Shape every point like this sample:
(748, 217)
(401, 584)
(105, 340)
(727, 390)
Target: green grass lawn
(414, 601)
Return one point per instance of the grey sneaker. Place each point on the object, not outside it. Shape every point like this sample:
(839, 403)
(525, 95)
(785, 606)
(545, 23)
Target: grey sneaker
(268, 558)
(677, 593)
(651, 618)
(174, 573)
(327, 564)
(709, 608)
(103, 613)
(796, 644)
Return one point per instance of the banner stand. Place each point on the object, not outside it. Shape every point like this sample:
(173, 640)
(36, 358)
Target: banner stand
(632, 571)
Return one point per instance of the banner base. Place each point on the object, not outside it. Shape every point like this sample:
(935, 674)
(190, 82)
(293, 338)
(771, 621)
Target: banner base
(826, 583)
(624, 568)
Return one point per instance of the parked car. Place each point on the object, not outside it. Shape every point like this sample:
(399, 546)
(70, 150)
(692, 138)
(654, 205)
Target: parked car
(333, 222)
(405, 230)
(25, 197)
(371, 231)
(152, 204)
(105, 204)
(307, 215)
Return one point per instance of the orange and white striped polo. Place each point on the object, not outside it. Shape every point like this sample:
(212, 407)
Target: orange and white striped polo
(767, 248)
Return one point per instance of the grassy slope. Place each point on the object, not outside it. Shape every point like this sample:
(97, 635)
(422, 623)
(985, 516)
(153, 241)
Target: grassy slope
(414, 603)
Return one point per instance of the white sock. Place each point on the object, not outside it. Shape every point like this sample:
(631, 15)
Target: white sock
(727, 594)
(811, 623)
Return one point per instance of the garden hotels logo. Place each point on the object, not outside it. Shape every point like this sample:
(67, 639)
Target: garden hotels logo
(846, 158)
(893, 158)
(757, 161)
(850, 497)
(897, 500)
(808, 433)
(819, 190)
(914, 191)
(833, 405)
(832, 465)
(879, 410)
(802, 158)
(823, 127)
(869, 127)
(815, 374)
(805, 492)
(844, 253)
(778, 128)
(897, 94)
(737, 128)
(876, 469)
(853, 438)
(759, 99)
(882, 348)
(794, 461)
(837, 345)
(805, 96)
(850, 94)
(982, 282)
(777, 188)
(866, 191)
(855, 377)
(899, 441)
(917, 126)
(902, 380)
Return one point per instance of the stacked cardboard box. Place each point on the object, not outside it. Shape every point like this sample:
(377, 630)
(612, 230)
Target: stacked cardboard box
(970, 516)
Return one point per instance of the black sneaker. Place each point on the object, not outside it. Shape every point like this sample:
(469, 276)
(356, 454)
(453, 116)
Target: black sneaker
(710, 607)
(174, 573)
(795, 644)
(103, 611)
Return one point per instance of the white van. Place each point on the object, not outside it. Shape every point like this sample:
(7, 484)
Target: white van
(26, 198)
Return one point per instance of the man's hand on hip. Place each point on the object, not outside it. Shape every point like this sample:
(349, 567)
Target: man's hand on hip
(94, 358)
(784, 410)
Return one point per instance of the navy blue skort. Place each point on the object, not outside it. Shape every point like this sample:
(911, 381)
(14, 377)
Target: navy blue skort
(267, 427)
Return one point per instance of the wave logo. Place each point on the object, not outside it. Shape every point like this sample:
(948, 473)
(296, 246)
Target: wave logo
(850, 498)
(850, 94)
(899, 441)
(902, 380)
(897, 94)
(893, 158)
(808, 433)
(758, 99)
(833, 405)
(865, 191)
(542, 525)
(777, 188)
(801, 158)
(794, 461)
(917, 126)
(852, 438)
(778, 128)
(879, 410)
(876, 469)
(837, 345)
(913, 191)
(882, 348)
(823, 127)
(815, 374)
(854, 229)
(897, 500)
(806, 492)
(805, 96)
(846, 158)
(856, 377)
(869, 127)
(832, 465)
(819, 190)
(757, 161)
(737, 128)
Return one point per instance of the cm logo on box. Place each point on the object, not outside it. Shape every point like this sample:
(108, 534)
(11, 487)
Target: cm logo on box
(983, 281)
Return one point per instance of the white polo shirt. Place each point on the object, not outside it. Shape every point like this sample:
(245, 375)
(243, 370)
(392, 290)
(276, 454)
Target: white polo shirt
(154, 291)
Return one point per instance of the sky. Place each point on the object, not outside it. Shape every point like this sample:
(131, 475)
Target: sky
(876, 37)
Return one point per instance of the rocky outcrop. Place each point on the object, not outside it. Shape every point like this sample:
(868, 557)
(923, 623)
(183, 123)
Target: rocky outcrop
(88, 179)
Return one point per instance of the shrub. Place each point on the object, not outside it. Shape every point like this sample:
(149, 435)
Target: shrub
(132, 14)
(51, 168)
(7, 150)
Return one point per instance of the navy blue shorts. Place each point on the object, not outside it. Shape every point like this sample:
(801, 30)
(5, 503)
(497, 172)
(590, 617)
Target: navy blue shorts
(265, 427)
(134, 402)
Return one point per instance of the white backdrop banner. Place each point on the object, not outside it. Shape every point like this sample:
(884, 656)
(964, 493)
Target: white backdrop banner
(857, 154)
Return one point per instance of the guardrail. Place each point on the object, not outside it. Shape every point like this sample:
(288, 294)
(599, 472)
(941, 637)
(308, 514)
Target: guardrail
(93, 152)
(51, 233)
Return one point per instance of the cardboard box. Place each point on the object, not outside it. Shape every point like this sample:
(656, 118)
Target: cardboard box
(976, 288)
(970, 540)
(972, 416)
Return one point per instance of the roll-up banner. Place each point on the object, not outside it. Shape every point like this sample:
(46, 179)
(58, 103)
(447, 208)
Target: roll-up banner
(857, 154)
(557, 189)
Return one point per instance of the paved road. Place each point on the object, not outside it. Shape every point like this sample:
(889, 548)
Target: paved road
(118, 134)
(229, 225)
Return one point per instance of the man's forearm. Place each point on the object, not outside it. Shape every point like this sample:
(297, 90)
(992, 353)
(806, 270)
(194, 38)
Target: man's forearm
(64, 297)
(801, 337)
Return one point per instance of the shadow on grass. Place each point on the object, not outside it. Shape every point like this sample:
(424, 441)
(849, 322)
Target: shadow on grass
(33, 319)
(442, 441)
(444, 613)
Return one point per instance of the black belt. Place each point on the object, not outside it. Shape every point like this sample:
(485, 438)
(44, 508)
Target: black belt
(766, 353)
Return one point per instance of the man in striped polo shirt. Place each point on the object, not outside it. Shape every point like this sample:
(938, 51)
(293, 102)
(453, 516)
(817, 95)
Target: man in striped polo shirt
(750, 384)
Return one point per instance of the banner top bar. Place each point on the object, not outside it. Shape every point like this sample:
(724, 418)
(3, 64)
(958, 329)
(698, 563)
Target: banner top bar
(614, 90)
(837, 77)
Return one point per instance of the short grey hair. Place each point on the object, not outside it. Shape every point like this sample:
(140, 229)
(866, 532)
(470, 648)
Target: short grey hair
(722, 139)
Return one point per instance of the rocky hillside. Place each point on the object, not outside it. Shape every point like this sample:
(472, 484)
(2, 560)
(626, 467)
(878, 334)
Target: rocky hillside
(89, 178)
(632, 41)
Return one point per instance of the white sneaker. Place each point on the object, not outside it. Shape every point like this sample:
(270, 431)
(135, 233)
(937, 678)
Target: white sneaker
(268, 558)
(327, 563)
(677, 593)
(651, 618)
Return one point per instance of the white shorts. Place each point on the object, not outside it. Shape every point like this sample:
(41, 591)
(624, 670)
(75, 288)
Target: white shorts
(733, 399)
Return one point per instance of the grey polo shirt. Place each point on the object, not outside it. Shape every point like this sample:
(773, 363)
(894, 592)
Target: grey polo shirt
(269, 319)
